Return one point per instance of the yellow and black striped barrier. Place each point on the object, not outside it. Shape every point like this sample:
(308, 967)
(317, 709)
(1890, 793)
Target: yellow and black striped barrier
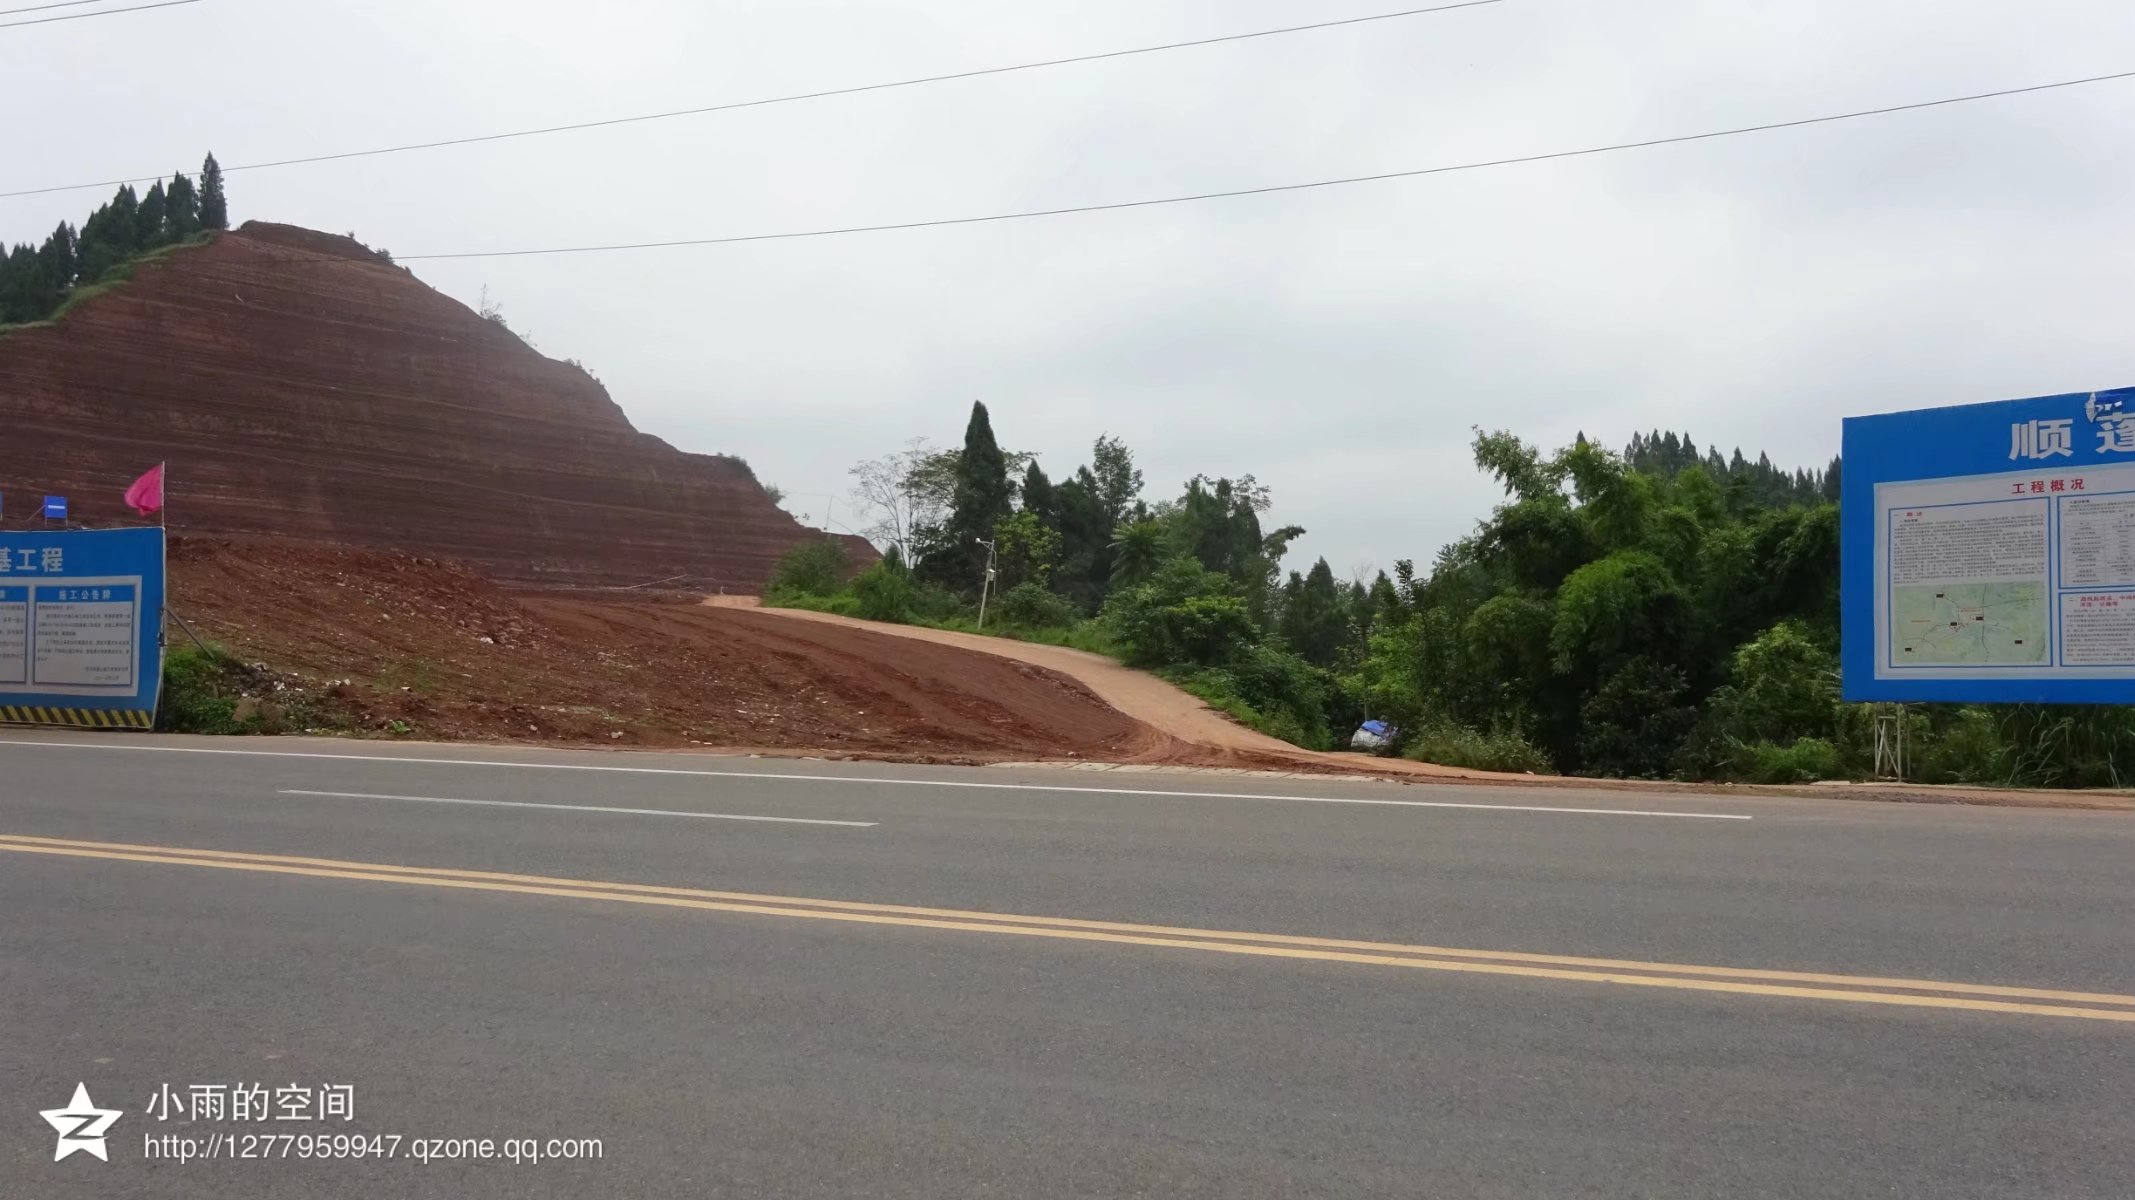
(85, 718)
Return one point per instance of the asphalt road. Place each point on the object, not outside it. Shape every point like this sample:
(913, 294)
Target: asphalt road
(762, 978)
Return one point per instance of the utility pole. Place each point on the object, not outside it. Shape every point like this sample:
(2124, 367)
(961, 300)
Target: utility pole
(985, 581)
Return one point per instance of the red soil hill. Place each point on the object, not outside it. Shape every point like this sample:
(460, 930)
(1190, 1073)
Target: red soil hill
(299, 385)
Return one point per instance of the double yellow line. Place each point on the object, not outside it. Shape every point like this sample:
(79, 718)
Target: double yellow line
(1744, 981)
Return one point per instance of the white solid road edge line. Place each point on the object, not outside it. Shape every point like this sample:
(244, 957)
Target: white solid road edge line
(635, 812)
(937, 783)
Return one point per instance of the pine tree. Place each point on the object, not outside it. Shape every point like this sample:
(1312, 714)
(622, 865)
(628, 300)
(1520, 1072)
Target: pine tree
(95, 251)
(1385, 600)
(982, 497)
(214, 206)
(19, 286)
(123, 231)
(1314, 616)
(58, 256)
(181, 201)
(148, 220)
(1038, 494)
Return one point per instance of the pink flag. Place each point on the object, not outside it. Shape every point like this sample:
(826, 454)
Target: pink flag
(146, 494)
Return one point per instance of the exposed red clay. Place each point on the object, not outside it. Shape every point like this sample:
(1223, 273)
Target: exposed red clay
(300, 386)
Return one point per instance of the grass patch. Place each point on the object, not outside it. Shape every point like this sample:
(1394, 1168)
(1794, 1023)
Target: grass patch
(1802, 761)
(1474, 750)
(1089, 635)
(416, 675)
(844, 604)
(211, 691)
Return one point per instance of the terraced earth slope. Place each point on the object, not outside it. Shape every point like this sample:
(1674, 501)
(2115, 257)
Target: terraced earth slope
(299, 385)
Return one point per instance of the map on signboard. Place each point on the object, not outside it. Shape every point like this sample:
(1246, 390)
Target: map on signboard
(1960, 623)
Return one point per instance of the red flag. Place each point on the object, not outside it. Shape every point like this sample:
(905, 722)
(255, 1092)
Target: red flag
(146, 494)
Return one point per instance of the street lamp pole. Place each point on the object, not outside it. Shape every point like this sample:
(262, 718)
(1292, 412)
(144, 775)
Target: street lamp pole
(985, 581)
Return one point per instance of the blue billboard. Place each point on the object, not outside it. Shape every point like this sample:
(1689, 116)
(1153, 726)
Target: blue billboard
(1988, 552)
(81, 622)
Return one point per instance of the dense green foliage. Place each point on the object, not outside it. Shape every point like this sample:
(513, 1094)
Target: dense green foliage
(1663, 612)
(36, 282)
(816, 567)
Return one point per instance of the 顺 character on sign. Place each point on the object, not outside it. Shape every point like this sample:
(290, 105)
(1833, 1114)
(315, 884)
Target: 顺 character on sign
(2042, 439)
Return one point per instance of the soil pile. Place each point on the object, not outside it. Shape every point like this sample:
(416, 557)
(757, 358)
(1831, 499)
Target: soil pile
(400, 637)
(299, 385)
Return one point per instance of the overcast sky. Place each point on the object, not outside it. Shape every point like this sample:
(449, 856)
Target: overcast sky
(1339, 344)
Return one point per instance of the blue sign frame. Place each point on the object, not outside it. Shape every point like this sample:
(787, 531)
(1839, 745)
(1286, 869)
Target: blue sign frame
(81, 627)
(1987, 552)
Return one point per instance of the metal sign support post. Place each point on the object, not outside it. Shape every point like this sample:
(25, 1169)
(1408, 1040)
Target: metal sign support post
(1890, 745)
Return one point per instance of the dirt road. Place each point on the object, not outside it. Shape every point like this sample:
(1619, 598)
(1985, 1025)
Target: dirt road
(1219, 740)
(1137, 693)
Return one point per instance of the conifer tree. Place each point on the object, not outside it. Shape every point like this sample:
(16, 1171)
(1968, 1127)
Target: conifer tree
(214, 206)
(148, 220)
(181, 207)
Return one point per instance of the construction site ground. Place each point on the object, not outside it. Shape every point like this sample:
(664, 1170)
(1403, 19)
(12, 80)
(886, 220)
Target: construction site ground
(406, 643)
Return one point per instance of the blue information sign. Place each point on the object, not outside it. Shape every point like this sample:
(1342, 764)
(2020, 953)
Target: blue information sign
(55, 508)
(81, 620)
(1988, 552)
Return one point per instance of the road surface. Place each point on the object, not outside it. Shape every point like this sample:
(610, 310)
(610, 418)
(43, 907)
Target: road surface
(758, 978)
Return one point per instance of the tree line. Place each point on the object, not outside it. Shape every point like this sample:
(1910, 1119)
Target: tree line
(1660, 611)
(36, 281)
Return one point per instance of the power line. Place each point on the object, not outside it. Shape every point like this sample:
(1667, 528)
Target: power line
(42, 7)
(108, 12)
(1284, 187)
(760, 103)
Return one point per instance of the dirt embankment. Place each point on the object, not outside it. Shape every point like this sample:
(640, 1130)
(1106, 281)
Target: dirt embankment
(453, 655)
(297, 385)
(1139, 694)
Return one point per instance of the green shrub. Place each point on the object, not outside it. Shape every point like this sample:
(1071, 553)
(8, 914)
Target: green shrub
(1964, 746)
(1031, 606)
(844, 604)
(1184, 615)
(1197, 631)
(1218, 688)
(199, 692)
(883, 592)
(210, 691)
(1784, 687)
(1802, 761)
(816, 567)
(932, 602)
(1635, 720)
(1451, 745)
(1277, 693)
